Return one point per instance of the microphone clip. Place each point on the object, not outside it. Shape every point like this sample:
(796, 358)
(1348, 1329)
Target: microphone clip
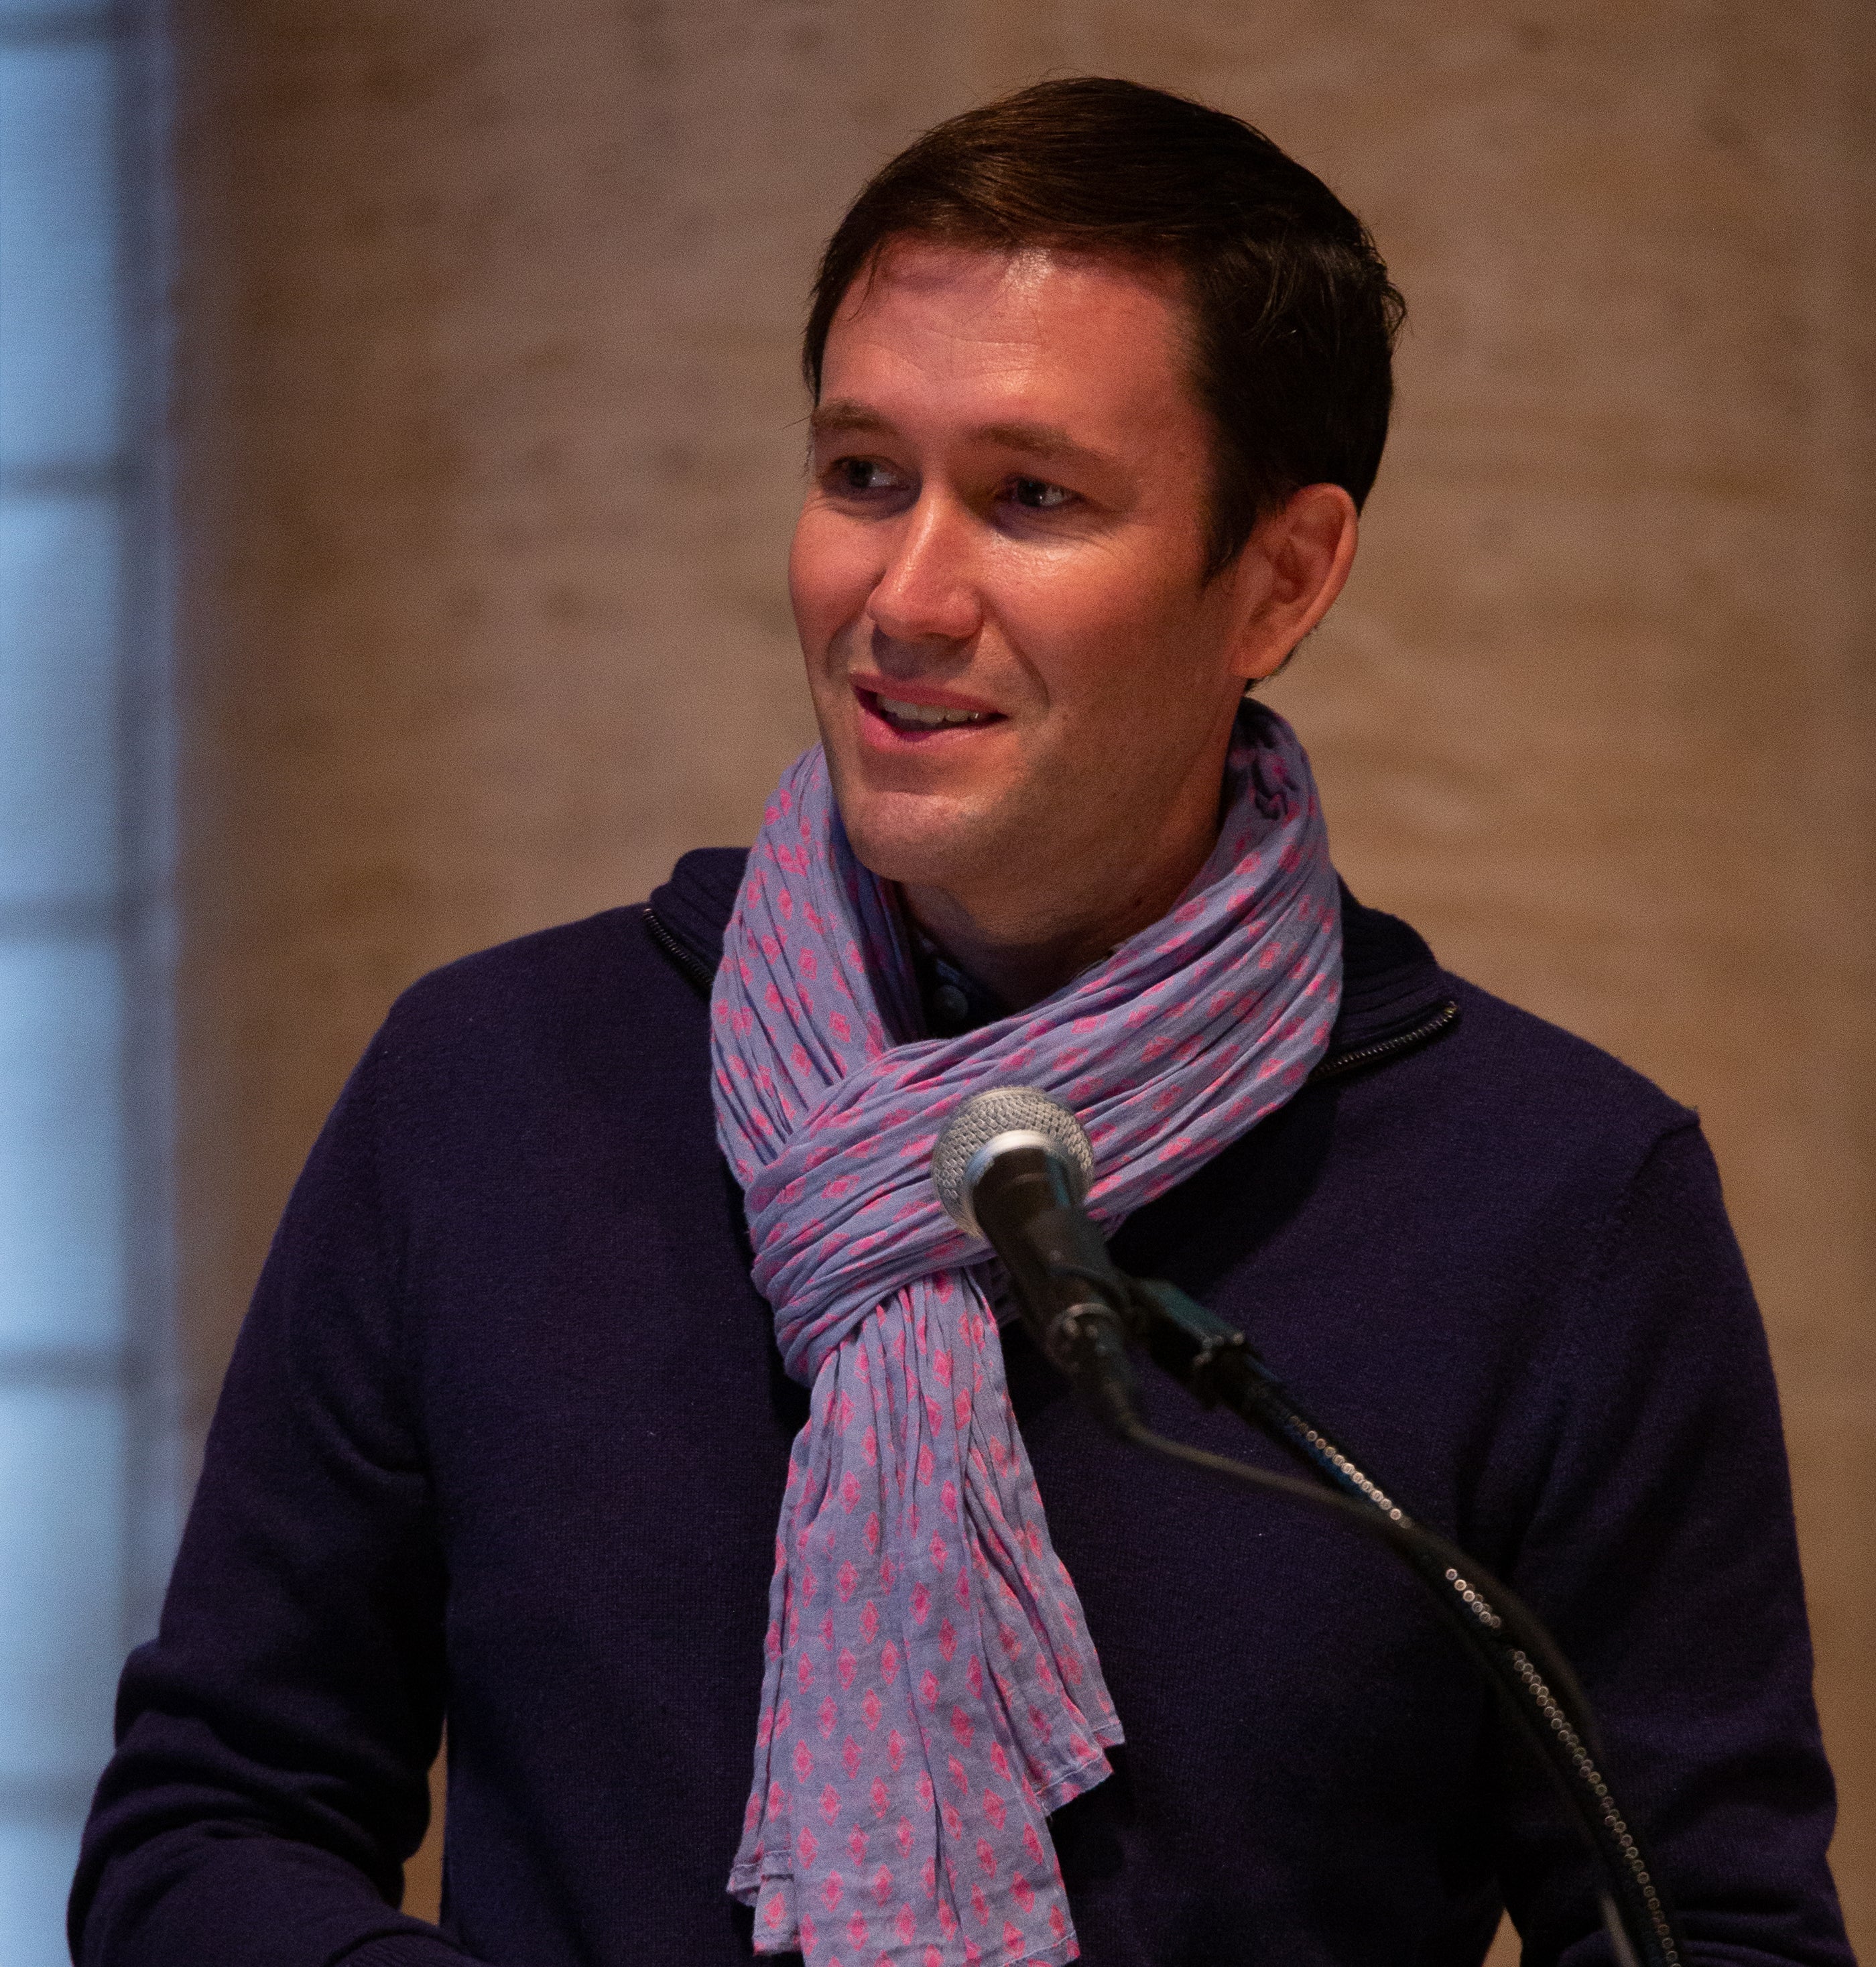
(1087, 1342)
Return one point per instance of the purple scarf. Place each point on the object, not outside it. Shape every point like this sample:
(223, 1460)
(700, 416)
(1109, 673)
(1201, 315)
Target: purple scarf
(930, 1692)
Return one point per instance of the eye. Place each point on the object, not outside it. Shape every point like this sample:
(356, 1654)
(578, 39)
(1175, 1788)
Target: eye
(855, 477)
(1038, 494)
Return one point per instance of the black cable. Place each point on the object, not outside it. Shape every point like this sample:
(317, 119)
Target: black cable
(1507, 1641)
(1417, 1545)
(1512, 1644)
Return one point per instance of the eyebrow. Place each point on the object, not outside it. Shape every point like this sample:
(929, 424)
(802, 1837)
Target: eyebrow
(1046, 442)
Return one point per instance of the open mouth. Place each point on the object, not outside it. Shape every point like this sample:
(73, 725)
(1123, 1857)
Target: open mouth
(921, 719)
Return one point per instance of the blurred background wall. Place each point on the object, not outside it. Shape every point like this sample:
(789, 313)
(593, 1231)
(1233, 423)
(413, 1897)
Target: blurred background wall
(485, 441)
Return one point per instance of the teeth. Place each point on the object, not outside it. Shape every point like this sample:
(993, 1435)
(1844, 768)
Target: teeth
(929, 715)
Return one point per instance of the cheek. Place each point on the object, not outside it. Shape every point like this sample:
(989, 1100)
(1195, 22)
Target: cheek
(830, 575)
(1109, 640)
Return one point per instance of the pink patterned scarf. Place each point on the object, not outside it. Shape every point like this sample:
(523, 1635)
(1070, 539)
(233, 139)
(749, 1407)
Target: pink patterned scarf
(930, 1692)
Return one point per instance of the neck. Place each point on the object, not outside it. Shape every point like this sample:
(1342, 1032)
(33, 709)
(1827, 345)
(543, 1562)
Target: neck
(1024, 946)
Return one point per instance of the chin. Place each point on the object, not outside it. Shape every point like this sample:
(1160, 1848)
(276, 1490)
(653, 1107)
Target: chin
(918, 839)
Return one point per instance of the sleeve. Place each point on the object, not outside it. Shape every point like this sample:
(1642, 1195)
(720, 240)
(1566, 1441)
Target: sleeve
(274, 1739)
(1658, 1544)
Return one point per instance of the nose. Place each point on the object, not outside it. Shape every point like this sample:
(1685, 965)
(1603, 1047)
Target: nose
(927, 591)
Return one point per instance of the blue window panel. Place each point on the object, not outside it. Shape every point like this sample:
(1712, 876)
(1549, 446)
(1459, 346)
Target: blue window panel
(62, 1470)
(62, 1150)
(63, 1413)
(36, 1858)
(58, 709)
(59, 380)
(63, 17)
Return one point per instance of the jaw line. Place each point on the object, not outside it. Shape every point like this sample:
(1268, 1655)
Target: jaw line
(911, 834)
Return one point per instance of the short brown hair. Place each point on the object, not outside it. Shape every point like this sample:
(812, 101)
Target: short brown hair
(1293, 315)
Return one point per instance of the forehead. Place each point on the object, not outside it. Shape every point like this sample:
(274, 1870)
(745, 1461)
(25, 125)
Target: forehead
(989, 333)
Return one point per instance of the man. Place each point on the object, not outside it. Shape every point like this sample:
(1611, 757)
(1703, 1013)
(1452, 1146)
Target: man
(616, 1387)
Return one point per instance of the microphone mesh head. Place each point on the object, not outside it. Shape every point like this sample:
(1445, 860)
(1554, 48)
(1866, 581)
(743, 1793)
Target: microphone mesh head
(1004, 1109)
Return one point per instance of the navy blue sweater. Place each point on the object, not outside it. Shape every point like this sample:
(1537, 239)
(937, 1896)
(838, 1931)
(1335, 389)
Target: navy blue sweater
(504, 1440)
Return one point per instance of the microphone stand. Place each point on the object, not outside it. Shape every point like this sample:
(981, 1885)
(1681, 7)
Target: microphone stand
(1504, 1640)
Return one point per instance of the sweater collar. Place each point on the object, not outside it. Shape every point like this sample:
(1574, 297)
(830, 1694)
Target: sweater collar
(1395, 997)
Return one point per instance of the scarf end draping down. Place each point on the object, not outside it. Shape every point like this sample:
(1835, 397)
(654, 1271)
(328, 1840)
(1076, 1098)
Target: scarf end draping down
(778, 1930)
(767, 1885)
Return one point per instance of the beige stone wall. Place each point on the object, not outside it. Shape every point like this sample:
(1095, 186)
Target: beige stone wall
(487, 432)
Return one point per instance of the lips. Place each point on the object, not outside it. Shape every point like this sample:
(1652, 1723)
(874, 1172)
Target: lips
(924, 713)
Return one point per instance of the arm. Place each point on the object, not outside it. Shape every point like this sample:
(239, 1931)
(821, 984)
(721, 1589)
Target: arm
(273, 1740)
(1660, 1547)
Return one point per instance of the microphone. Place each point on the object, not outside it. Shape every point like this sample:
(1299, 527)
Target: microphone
(1013, 1165)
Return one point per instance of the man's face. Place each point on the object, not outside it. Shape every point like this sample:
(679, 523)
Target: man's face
(1022, 679)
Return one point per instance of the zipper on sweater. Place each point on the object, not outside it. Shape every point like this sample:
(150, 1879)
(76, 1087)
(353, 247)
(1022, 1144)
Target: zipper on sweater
(692, 965)
(1441, 1018)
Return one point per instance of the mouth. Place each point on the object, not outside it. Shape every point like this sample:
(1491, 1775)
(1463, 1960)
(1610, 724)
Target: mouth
(922, 720)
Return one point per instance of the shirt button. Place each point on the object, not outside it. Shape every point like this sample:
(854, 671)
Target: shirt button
(949, 1007)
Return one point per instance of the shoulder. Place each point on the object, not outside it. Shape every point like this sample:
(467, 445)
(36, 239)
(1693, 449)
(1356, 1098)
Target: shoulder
(1504, 1133)
(1411, 1036)
(550, 973)
(1542, 1077)
(585, 1014)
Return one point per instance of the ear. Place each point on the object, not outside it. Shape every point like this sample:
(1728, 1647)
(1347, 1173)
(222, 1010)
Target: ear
(1289, 574)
